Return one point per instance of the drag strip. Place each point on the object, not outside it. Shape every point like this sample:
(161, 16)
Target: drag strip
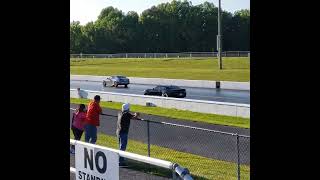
(209, 94)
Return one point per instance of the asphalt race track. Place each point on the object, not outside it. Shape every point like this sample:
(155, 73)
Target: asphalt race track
(206, 144)
(210, 94)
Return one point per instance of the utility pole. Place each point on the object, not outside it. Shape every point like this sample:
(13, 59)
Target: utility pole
(219, 46)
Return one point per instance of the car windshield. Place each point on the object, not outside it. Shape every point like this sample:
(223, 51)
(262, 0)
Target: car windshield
(173, 87)
(121, 77)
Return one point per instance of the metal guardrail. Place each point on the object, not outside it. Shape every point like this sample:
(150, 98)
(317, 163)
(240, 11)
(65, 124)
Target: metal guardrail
(165, 55)
(176, 168)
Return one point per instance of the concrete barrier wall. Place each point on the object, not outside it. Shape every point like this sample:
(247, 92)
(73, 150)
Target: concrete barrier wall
(211, 107)
(235, 85)
(87, 78)
(177, 82)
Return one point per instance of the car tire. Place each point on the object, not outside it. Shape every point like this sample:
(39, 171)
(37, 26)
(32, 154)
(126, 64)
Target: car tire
(164, 95)
(126, 85)
(104, 84)
(115, 84)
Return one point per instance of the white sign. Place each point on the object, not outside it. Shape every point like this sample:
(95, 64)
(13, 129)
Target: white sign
(95, 163)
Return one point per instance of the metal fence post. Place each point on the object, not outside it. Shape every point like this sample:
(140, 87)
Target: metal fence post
(174, 175)
(148, 134)
(238, 157)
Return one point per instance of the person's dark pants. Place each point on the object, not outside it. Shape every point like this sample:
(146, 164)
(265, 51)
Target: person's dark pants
(77, 134)
(123, 141)
(90, 133)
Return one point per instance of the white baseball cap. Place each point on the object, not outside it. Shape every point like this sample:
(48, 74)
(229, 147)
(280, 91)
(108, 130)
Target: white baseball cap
(126, 107)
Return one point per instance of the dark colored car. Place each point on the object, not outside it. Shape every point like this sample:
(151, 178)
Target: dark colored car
(166, 91)
(115, 81)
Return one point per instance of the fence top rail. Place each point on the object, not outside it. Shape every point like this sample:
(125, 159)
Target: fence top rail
(184, 126)
(197, 128)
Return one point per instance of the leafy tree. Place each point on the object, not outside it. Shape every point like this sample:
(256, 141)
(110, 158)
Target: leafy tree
(177, 26)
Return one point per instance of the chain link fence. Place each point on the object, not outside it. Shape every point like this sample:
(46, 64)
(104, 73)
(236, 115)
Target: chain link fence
(208, 154)
(165, 55)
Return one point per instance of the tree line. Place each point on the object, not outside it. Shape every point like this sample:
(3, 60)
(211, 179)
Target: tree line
(177, 26)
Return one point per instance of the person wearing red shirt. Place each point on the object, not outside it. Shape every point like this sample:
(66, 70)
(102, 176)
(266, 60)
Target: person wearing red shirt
(92, 120)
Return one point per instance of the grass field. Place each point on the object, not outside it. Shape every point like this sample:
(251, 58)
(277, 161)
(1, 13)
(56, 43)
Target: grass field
(200, 167)
(234, 69)
(177, 114)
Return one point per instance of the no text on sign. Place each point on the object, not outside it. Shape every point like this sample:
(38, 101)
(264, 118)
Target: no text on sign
(95, 163)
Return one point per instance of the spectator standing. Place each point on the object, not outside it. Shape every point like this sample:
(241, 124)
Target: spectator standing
(78, 120)
(123, 125)
(92, 120)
